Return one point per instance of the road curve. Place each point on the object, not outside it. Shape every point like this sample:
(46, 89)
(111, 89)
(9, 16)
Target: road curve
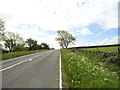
(39, 70)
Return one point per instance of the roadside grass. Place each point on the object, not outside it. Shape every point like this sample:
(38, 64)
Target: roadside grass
(87, 71)
(105, 49)
(16, 54)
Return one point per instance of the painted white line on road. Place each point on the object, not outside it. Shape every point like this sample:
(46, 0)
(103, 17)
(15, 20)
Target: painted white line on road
(13, 65)
(60, 72)
(19, 63)
(30, 59)
(35, 56)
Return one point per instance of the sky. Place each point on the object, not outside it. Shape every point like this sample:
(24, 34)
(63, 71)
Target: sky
(92, 22)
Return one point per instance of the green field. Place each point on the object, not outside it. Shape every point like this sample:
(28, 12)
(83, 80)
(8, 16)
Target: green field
(88, 71)
(104, 49)
(16, 54)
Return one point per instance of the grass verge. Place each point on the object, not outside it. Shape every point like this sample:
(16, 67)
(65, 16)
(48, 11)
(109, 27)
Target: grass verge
(16, 54)
(88, 71)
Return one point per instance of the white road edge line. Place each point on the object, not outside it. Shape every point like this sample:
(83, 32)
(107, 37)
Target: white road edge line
(60, 72)
(13, 65)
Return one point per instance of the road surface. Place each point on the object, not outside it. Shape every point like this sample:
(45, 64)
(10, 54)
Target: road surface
(38, 70)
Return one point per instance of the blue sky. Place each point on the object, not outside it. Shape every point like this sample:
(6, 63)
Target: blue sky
(92, 22)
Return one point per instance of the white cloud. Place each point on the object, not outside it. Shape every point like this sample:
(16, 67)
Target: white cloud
(85, 31)
(50, 39)
(106, 41)
(53, 15)
(39, 35)
(60, 14)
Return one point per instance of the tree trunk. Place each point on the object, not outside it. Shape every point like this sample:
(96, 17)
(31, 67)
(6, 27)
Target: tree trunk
(66, 46)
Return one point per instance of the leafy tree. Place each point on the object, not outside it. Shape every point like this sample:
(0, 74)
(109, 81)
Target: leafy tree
(44, 46)
(39, 47)
(13, 41)
(29, 43)
(52, 49)
(2, 28)
(65, 38)
(20, 47)
(4, 51)
(35, 45)
(32, 44)
(9, 44)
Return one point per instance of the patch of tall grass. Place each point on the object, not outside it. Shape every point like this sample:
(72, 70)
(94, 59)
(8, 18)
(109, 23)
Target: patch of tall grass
(87, 71)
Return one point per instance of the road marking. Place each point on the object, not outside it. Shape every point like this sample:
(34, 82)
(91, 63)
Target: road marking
(30, 59)
(36, 56)
(13, 65)
(19, 63)
(60, 72)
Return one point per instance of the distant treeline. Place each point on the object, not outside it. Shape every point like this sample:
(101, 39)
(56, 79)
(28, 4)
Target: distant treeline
(13, 42)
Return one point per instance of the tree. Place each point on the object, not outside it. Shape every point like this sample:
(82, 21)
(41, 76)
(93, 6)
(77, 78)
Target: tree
(35, 45)
(39, 47)
(13, 41)
(44, 46)
(65, 38)
(9, 44)
(2, 28)
(52, 49)
(32, 44)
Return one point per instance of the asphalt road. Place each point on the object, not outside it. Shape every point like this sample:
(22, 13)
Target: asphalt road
(39, 70)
